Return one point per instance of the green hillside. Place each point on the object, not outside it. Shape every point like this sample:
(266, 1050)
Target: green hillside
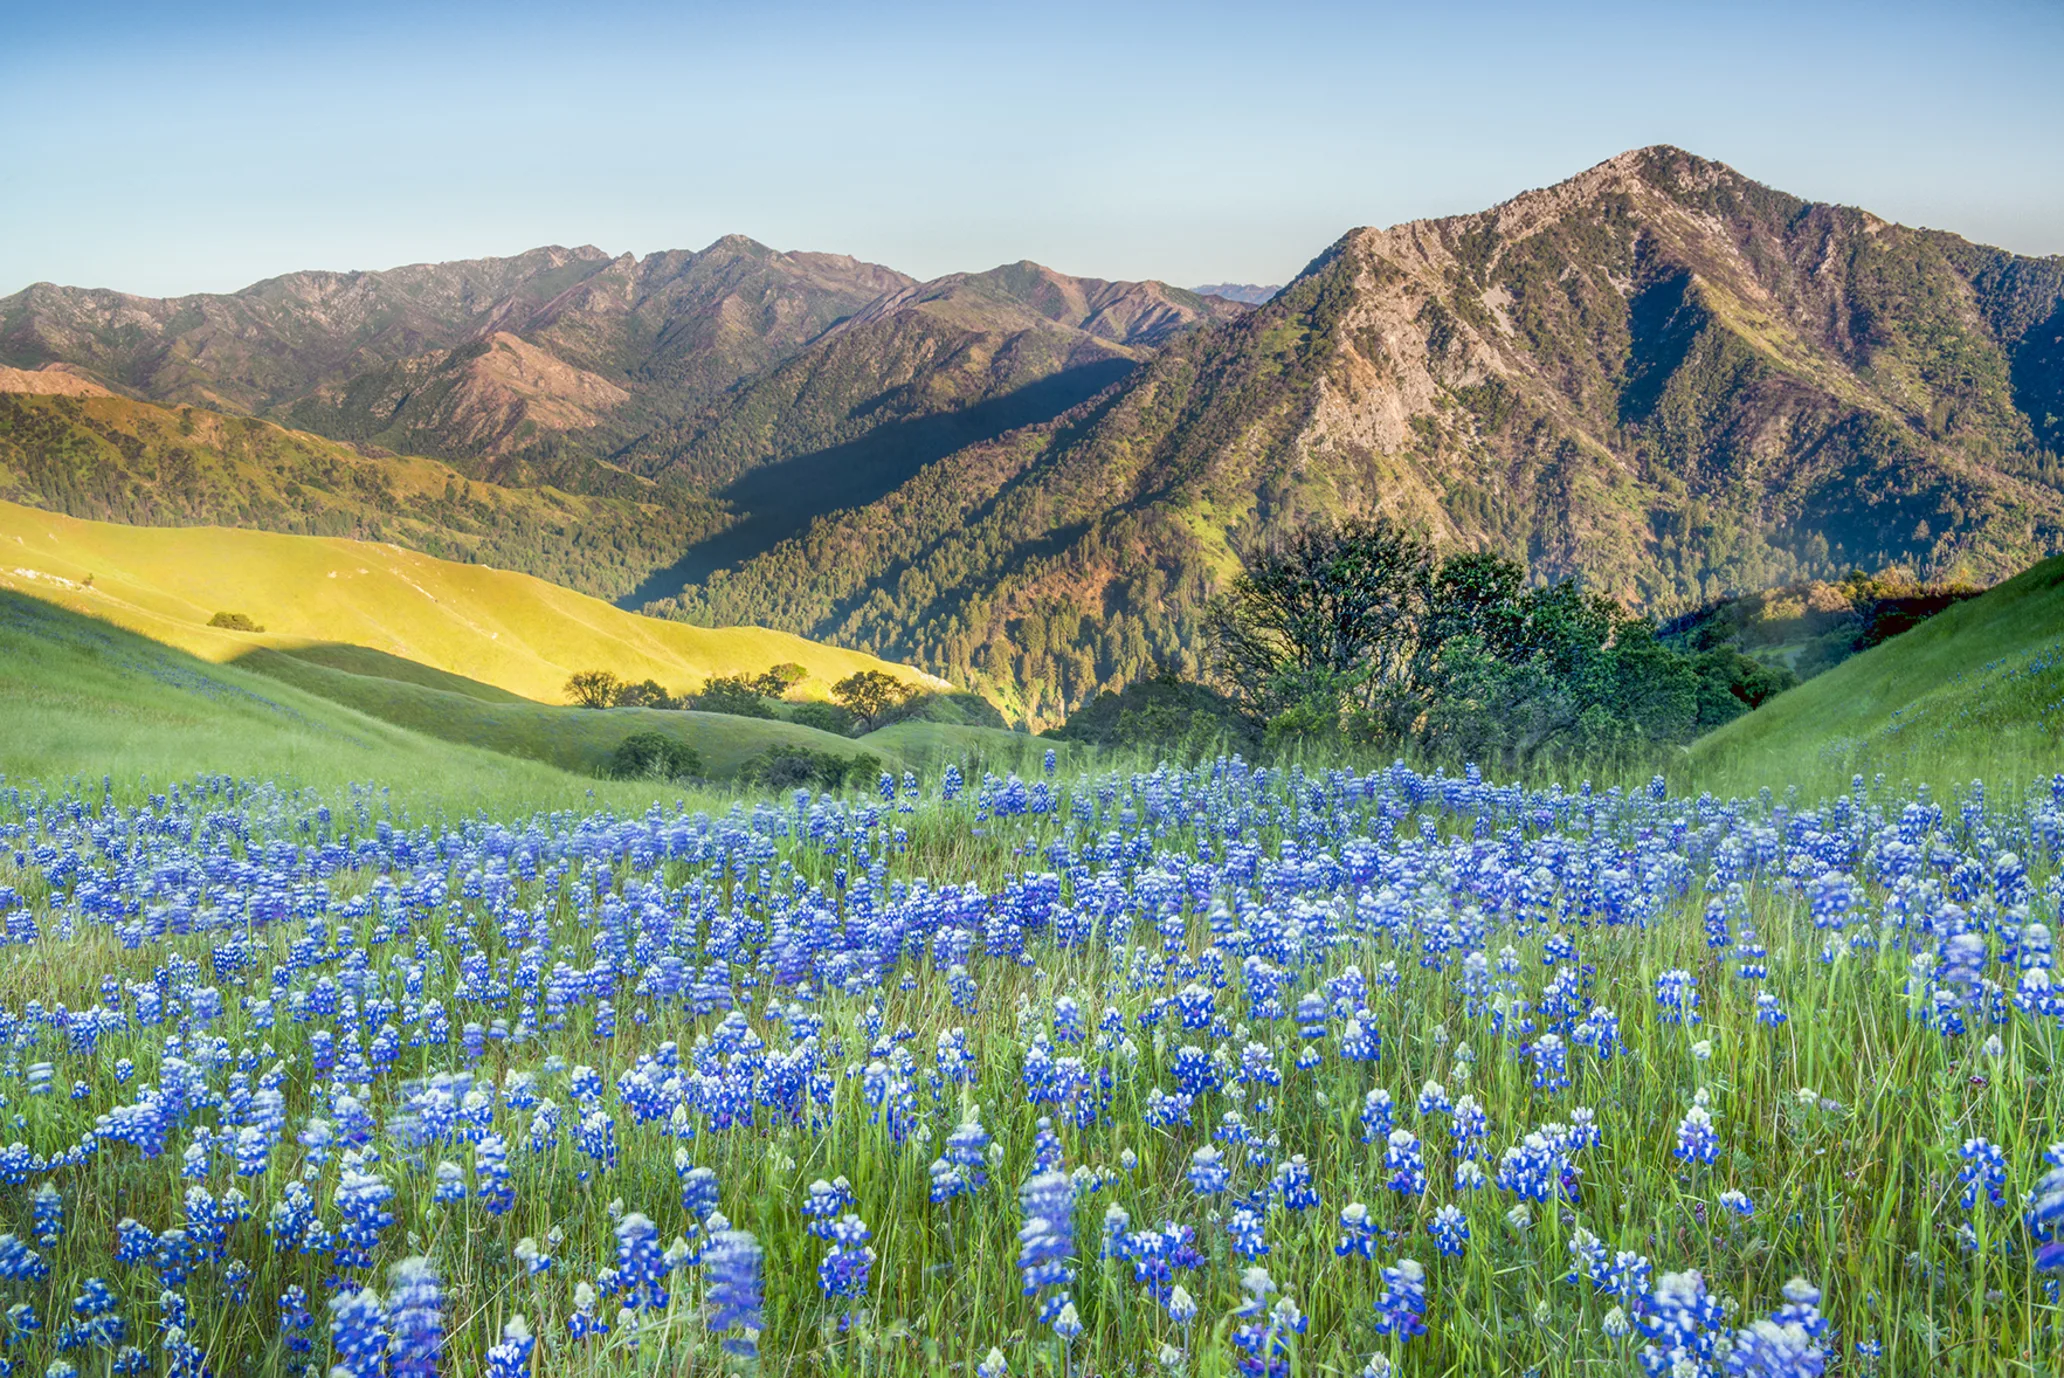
(1975, 692)
(578, 740)
(111, 458)
(85, 699)
(508, 631)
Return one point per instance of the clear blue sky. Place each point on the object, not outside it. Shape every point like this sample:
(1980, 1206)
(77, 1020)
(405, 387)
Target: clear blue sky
(164, 148)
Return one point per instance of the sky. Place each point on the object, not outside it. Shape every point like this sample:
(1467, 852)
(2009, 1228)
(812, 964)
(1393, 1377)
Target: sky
(165, 148)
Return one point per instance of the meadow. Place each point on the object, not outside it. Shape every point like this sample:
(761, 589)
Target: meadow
(1176, 1070)
(342, 1047)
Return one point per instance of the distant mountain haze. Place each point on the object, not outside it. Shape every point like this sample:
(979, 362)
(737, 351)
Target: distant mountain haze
(1659, 375)
(1247, 293)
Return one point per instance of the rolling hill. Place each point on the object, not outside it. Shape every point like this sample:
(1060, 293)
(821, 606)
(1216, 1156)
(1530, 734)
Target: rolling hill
(378, 609)
(74, 448)
(1659, 374)
(83, 698)
(1974, 692)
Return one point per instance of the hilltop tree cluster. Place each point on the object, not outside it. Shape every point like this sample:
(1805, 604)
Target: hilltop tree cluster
(741, 695)
(866, 699)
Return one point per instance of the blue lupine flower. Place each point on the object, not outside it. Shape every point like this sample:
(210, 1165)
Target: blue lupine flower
(1208, 1174)
(295, 1319)
(731, 1264)
(96, 1317)
(358, 1332)
(823, 1202)
(362, 1199)
(1682, 1322)
(47, 1209)
(510, 1358)
(1046, 1241)
(641, 1268)
(1401, 1308)
(491, 1172)
(1696, 1140)
(1677, 997)
(1358, 1232)
(1984, 1172)
(1247, 1229)
(1450, 1230)
(1406, 1163)
(1265, 1331)
(843, 1274)
(415, 1319)
(584, 1324)
(1379, 1116)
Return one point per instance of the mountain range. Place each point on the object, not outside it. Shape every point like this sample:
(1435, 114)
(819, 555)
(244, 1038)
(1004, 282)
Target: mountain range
(1659, 375)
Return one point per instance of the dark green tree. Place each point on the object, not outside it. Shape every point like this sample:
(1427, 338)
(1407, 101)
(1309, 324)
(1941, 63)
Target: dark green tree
(870, 695)
(593, 688)
(1325, 618)
(654, 756)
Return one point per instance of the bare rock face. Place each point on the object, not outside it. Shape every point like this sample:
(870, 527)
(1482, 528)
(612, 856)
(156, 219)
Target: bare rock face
(52, 380)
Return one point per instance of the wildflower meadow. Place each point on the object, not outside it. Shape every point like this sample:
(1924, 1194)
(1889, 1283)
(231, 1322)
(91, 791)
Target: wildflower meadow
(1182, 1071)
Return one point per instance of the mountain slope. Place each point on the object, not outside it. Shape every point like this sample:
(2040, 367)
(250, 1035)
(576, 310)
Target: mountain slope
(343, 353)
(110, 458)
(1975, 692)
(366, 607)
(1659, 374)
(910, 378)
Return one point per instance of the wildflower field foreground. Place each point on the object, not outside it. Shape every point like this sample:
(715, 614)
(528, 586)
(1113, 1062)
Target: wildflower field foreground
(1203, 1071)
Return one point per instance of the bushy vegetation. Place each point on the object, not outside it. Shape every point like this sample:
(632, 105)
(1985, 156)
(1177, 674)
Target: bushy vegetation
(235, 622)
(654, 756)
(1360, 632)
(1163, 713)
(792, 767)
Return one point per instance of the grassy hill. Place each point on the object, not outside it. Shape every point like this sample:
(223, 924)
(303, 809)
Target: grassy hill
(1976, 691)
(503, 631)
(84, 698)
(108, 458)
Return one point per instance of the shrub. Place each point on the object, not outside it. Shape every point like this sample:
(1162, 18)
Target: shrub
(795, 767)
(646, 693)
(234, 621)
(733, 694)
(653, 756)
(825, 717)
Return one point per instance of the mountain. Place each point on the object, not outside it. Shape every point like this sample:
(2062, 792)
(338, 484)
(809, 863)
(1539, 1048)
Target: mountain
(501, 350)
(1659, 374)
(1246, 293)
(908, 379)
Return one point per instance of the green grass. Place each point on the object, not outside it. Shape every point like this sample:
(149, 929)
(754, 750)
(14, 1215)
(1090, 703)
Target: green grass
(1975, 692)
(508, 631)
(579, 740)
(81, 699)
